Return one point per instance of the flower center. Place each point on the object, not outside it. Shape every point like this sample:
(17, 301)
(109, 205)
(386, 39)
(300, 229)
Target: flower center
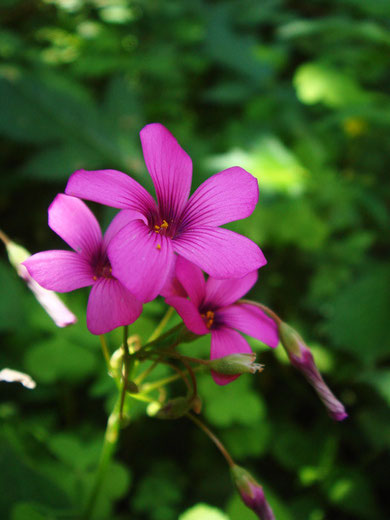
(103, 269)
(208, 318)
(163, 226)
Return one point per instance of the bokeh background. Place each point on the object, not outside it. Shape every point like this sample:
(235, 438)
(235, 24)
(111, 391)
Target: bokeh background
(297, 93)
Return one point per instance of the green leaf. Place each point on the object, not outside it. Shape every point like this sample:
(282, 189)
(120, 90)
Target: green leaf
(29, 511)
(320, 83)
(235, 403)
(352, 492)
(11, 298)
(58, 360)
(359, 321)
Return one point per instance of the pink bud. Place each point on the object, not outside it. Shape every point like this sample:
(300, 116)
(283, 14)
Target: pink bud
(252, 493)
(302, 359)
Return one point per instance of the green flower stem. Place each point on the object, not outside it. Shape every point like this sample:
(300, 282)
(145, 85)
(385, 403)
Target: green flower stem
(105, 351)
(160, 327)
(125, 371)
(213, 437)
(149, 387)
(110, 440)
(138, 380)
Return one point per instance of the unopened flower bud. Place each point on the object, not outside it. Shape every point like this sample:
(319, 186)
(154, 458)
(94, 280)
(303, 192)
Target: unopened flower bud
(175, 408)
(49, 300)
(197, 404)
(236, 364)
(302, 359)
(252, 493)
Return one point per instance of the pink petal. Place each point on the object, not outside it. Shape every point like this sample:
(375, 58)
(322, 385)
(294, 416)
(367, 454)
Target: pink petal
(191, 278)
(229, 195)
(49, 300)
(110, 305)
(120, 220)
(112, 188)
(189, 314)
(170, 168)
(220, 252)
(251, 320)
(60, 271)
(225, 341)
(221, 293)
(141, 259)
(172, 286)
(75, 223)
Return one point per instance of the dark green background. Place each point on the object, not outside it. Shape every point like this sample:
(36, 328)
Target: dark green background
(297, 93)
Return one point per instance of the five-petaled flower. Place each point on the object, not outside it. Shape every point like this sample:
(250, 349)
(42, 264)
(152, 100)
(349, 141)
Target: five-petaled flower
(142, 253)
(110, 304)
(213, 307)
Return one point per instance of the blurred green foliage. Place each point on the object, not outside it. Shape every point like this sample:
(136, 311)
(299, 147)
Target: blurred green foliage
(296, 92)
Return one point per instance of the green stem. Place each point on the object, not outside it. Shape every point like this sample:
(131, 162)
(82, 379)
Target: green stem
(105, 351)
(149, 387)
(110, 440)
(126, 361)
(160, 327)
(213, 437)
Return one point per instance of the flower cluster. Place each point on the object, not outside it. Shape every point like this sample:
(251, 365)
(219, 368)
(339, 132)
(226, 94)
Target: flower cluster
(164, 248)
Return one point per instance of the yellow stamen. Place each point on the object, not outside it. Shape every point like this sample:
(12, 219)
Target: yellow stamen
(158, 246)
(95, 278)
(209, 318)
(158, 228)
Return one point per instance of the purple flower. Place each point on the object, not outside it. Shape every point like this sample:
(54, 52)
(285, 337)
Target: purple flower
(110, 304)
(302, 359)
(213, 309)
(143, 251)
(252, 493)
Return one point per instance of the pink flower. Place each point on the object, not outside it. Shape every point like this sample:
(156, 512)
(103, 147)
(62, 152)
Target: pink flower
(213, 309)
(110, 304)
(143, 251)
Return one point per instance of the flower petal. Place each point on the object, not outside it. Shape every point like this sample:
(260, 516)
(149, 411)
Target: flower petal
(189, 314)
(226, 196)
(172, 286)
(170, 168)
(112, 188)
(220, 252)
(191, 278)
(225, 341)
(141, 259)
(120, 220)
(75, 223)
(221, 293)
(60, 271)
(110, 305)
(251, 320)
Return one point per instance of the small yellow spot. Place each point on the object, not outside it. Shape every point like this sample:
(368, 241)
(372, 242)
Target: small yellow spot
(157, 228)
(110, 270)
(158, 246)
(95, 278)
(354, 126)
